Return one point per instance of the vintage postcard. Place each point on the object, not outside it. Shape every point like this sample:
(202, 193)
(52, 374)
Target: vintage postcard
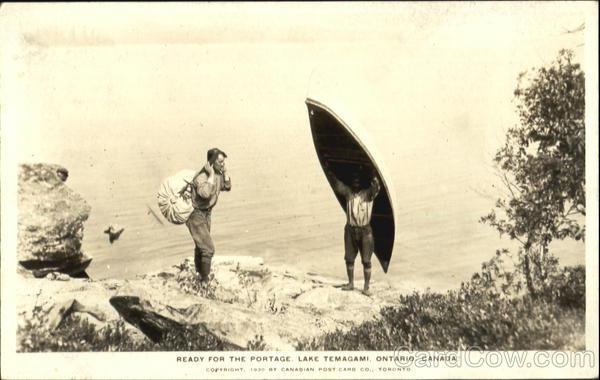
(299, 190)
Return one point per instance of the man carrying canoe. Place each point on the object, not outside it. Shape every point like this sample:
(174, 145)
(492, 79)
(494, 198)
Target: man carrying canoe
(206, 186)
(358, 235)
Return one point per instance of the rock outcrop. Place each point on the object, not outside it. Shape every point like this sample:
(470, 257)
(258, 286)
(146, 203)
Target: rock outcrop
(158, 327)
(245, 299)
(50, 222)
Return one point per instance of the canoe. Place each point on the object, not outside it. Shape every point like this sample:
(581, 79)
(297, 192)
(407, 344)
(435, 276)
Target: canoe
(345, 149)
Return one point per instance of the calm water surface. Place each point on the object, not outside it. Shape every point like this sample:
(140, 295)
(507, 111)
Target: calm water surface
(281, 209)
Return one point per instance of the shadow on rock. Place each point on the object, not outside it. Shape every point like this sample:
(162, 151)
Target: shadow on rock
(160, 329)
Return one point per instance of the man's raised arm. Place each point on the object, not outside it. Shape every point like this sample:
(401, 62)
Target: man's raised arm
(338, 186)
(205, 183)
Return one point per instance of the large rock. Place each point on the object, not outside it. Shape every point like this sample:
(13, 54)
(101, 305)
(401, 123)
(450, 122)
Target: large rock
(44, 304)
(157, 327)
(245, 300)
(50, 222)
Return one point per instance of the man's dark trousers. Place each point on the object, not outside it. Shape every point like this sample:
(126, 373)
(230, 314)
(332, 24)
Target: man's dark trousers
(199, 226)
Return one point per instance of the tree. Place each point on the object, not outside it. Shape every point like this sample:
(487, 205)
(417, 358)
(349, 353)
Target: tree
(542, 166)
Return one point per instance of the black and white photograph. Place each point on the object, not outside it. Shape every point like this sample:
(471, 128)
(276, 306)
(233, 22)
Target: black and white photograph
(299, 190)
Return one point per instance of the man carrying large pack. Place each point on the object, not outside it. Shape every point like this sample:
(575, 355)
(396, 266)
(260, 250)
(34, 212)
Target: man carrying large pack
(205, 189)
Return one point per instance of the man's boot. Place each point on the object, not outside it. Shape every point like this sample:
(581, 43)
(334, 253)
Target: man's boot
(205, 270)
(197, 259)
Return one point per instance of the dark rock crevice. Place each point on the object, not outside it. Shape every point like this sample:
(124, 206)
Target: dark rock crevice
(160, 328)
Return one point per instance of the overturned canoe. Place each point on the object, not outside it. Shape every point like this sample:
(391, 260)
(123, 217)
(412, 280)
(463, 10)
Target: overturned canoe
(344, 150)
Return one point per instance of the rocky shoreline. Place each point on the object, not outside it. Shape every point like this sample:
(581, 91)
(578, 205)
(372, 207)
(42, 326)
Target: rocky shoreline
(249, 305)
(244, 300)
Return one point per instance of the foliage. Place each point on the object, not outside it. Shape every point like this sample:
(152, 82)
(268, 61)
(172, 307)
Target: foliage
(246, 283)
(188, 340)
(480, 314)
(509, 279)
(568, 287)
(247, 279)
(76, 334)
(542, 166)
(257, 344)
(275, 308)
(565, 286)
(189, 281)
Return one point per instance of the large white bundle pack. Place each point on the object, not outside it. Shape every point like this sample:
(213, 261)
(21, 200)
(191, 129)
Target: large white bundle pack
(176, 207)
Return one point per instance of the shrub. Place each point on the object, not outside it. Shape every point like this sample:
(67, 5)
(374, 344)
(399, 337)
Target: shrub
(568, 287)
(483, 313)
(188, 340)
(257, 344)
(451, 322)
(189, 281)
(76, 334)
(246, 281)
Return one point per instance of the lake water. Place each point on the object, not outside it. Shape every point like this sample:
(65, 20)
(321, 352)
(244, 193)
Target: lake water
(122, 119)
(281, 209)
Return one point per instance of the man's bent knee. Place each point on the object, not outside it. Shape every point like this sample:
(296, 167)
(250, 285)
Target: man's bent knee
(366, 265)
(206, 254)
